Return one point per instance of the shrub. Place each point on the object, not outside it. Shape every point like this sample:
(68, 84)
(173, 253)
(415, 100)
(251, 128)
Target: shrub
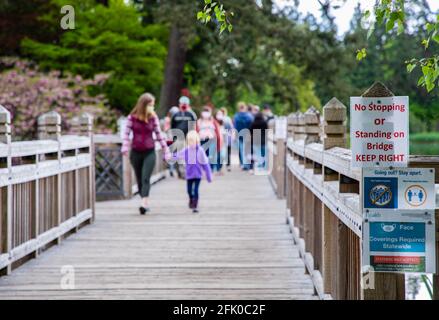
(27, 93)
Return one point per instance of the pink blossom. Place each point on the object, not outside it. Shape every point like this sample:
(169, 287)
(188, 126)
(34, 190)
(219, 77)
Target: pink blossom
(27, 93)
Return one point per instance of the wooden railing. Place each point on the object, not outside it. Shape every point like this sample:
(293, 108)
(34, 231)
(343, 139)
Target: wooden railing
(46, 187)
(114, 175)
(323, 199)
(277, 148)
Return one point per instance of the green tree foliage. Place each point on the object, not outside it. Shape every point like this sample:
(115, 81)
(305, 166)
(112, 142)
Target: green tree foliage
(395, 14)
(216, 10)
(256, 60)
(386, 61)
(107, 39)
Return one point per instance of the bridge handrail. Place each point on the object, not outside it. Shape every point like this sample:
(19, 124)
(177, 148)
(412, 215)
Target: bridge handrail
(323, 199)
(46, 187)
(113, 142)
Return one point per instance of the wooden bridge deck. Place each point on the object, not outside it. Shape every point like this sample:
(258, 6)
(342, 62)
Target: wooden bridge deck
(238, 247)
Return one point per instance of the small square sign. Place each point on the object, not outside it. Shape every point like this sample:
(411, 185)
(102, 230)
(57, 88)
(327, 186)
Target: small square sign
(380, 193)
(400, 242)
(402, 188)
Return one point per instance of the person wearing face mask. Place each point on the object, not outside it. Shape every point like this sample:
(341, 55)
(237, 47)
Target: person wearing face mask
(184, 120)
(210, 136)
(228, 138)
(143, 123)
(242, 121)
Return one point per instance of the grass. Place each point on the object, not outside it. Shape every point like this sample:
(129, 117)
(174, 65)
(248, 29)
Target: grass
(425, 143)
(425, 137)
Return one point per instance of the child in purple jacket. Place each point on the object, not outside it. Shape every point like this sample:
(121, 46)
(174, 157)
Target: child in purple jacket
(196, 162)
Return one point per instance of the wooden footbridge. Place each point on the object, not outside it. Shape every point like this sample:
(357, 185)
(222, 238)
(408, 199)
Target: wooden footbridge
(295, 234)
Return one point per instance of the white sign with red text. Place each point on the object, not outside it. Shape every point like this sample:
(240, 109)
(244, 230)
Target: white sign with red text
(380, 132)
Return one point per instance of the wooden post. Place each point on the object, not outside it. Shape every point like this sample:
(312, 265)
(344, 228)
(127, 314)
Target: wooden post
(5, 126)
(86, 129)
(6, 198)
(49, 128)
(300, 127)
(334, 131)
(280, 159)
(333, 233)
(388, 286)
(312, 120)
(334, 124)
(292, 123)
(75, 127)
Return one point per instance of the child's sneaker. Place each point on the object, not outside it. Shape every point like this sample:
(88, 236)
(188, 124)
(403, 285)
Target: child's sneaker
(144, 211)
(195, 206)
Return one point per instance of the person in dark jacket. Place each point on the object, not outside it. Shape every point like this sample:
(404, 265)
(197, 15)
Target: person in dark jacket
(185, 118)
(259, 129)
(242, 122)
(183, 121)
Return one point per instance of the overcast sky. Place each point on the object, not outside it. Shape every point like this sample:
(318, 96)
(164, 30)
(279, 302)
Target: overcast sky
(344, 14)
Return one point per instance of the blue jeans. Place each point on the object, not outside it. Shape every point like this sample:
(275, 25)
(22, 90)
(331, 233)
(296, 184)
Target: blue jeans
(193, 186)
(209, 147)
(259, 153)
(219, 161)
(243, 156)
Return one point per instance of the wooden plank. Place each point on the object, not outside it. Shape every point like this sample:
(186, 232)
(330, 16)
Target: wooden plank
(28, 247)
(328, 256)
(237, 247)
(342, 261)
(314, 152)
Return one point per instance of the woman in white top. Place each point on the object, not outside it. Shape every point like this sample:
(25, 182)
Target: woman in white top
(210, 135)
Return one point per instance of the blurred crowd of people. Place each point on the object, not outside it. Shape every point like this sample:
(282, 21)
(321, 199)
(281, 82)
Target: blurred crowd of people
(194, 146)
(219, 133)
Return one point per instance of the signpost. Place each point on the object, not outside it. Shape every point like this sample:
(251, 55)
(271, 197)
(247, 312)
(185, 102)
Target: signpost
(398, 203)
(380, 131)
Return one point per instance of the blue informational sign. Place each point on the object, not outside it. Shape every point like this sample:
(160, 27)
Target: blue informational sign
(380, 193)
(399, 232)
(401, 237)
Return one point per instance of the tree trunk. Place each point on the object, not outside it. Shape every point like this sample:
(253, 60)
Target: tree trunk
(147, 10)
(174, 72)
(103, 2)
